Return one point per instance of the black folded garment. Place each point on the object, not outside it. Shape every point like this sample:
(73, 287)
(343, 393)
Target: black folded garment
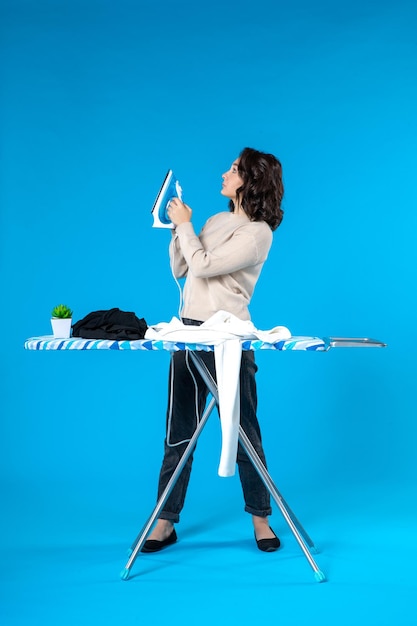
(111, 324)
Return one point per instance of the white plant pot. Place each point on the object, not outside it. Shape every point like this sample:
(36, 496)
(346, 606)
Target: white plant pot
(61, 328)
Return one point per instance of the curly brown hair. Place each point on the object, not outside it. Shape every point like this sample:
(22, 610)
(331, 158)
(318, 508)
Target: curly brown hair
(262, 191)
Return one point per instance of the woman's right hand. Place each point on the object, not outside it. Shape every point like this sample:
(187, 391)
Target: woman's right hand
(178, 212)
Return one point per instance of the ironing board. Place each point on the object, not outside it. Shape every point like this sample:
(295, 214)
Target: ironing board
(316, 344)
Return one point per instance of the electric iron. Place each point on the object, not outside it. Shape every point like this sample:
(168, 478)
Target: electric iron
(170, 189)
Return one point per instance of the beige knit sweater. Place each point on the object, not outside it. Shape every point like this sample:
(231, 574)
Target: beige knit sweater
(221, 265)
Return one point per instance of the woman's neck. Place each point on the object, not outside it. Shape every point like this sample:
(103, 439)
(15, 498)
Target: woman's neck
(237, 210)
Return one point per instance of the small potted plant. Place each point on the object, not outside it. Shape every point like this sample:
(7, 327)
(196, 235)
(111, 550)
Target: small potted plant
(61, 321)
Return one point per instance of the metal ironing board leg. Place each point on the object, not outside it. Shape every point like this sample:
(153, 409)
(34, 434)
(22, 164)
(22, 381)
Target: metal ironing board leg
(141, 538)
(298, 531)
(296, 528)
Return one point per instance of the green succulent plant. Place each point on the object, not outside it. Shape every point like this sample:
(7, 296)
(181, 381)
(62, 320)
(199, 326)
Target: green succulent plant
(61, 311)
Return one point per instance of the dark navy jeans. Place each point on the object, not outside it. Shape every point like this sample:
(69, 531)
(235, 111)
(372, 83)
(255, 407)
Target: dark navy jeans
(186, 402)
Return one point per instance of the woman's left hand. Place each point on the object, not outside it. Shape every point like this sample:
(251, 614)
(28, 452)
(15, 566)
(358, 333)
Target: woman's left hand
(178, 212)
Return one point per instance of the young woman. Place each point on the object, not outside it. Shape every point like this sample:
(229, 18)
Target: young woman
(222, 266)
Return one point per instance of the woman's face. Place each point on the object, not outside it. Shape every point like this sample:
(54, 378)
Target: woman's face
(231, 181)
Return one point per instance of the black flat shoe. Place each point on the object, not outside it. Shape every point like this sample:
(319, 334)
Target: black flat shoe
(268, 545)
(153, 545)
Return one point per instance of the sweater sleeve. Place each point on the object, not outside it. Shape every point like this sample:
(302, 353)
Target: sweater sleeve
(178, 263)
(242, 249)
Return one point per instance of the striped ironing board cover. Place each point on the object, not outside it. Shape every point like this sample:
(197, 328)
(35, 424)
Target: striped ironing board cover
(76, 343)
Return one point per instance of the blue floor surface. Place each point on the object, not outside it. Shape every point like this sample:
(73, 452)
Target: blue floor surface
(66, 571)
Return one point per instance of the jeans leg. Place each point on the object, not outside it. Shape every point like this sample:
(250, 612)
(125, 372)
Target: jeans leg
(186, 401)
(256, 495)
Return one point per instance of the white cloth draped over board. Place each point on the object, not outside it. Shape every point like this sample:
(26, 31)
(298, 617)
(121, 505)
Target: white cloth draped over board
(225, 332)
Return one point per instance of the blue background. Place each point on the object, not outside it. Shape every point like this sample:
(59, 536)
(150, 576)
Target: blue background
(98, 100)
